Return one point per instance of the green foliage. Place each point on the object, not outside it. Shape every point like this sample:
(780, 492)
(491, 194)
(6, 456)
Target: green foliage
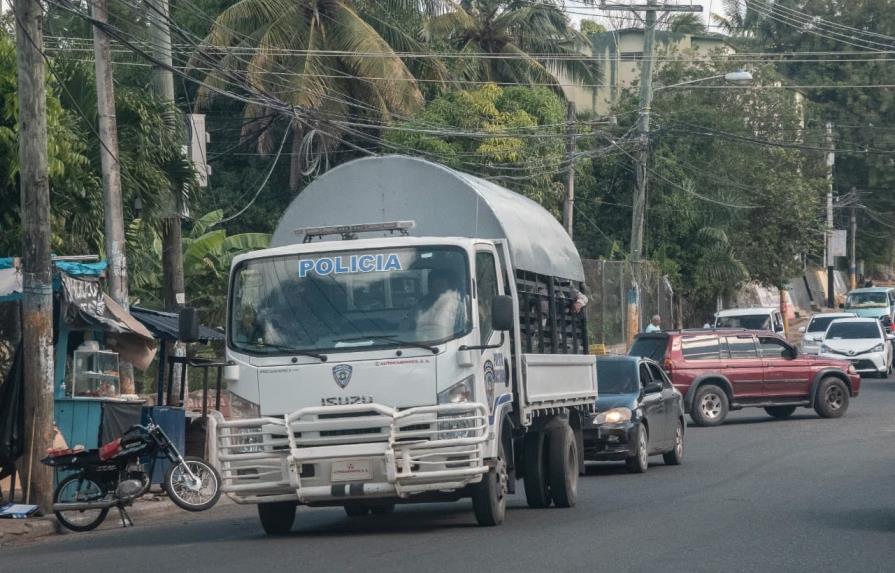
(591, 27)
(509, 137)
(521, 32)
(208, 252)
(686, 23)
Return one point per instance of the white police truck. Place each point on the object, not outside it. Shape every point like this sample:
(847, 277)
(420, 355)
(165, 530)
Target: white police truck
(415, 334)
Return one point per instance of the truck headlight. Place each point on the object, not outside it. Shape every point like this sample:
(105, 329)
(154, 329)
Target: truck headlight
(613, 416)
(824, 348)
(462, 391)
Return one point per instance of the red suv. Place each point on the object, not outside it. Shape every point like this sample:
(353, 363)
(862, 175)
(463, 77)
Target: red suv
(722, 370)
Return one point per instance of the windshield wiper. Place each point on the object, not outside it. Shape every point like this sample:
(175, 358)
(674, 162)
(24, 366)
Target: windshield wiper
(432, 349)
(289, 349)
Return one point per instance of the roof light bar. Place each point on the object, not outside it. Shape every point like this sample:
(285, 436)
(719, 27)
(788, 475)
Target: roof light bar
(349, 232)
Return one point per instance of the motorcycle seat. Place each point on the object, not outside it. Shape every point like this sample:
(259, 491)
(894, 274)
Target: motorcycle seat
(110, 450)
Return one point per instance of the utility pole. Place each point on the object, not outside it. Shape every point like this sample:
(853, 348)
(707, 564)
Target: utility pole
(37, 299)
(646, 100)
(163, 85)
(172, 250)
(831, 161)
(116, 246)
(852, 261)
(571, 138)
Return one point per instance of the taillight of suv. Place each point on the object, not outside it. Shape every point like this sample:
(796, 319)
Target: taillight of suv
(668, 366)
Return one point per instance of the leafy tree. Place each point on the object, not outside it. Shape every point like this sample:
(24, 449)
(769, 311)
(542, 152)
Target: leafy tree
(322, 56)
(514, 37)
(511, 135)
(686, 23)
(207, 254)
(591, 27)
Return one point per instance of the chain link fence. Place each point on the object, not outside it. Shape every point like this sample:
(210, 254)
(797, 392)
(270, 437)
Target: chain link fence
(611, 287)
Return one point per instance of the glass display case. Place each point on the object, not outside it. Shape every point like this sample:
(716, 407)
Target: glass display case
(95, 374)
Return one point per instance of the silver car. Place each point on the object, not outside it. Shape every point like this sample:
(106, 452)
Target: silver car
(813, 333)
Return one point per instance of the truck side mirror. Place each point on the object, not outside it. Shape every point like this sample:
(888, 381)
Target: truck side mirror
(188, 325)
(502, 312)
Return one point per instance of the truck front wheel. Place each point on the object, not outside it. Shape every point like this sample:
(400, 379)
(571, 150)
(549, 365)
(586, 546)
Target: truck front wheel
(489, 498)
(277, 517)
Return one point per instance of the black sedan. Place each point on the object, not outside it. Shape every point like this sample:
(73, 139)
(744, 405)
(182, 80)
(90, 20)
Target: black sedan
(639, 414)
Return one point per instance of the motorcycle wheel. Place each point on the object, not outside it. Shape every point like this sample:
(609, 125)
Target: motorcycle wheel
(76, 489)
(177, 484)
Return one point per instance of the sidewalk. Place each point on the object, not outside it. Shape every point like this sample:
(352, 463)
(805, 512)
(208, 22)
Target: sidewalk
(16, 531)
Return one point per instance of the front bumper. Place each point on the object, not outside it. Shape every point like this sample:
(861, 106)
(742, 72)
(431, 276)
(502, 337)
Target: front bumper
(610, 441)
(306, 455)
(865, 363)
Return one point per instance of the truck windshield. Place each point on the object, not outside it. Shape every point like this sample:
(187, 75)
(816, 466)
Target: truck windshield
(346, 300)
(866, 300)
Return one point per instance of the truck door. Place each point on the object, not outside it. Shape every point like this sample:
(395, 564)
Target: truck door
(494, 361)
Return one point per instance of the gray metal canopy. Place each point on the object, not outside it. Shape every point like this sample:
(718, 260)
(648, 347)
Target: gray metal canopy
(442, 201)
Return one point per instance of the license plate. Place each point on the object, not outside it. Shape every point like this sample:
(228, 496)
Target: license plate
(351, 470)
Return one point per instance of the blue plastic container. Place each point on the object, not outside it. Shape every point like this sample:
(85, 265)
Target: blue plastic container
(173, 421)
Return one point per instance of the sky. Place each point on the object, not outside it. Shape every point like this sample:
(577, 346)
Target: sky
(579, 10)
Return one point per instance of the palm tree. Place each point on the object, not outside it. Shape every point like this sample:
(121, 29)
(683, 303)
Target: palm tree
(741, 20)
(513, 41)
(327, 58)
(686, 23)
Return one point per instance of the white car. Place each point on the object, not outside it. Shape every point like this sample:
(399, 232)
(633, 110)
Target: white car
(813, 333)
(862, 342)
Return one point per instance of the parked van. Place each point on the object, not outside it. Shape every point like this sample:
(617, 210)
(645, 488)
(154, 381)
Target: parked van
(756, 318)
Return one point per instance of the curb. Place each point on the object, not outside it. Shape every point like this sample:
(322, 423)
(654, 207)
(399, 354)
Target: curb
(15, 531)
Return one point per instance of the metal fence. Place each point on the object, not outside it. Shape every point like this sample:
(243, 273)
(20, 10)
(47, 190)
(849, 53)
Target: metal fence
(612, 287)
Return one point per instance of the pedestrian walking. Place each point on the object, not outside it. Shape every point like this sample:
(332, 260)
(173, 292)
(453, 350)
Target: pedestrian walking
(655, 324)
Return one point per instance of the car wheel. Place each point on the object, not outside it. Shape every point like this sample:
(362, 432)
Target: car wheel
(709, 406)
(780, 412)
(639, 462)
(676, 456)
(831, 400)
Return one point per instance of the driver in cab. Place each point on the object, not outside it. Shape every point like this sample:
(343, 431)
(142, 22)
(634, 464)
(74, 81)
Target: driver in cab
(441, 312)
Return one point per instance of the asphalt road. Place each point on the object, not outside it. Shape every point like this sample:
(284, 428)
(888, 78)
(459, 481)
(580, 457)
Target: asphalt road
(756, 494)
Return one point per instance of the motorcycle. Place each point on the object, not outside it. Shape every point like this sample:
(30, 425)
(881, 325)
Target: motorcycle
(120, 472)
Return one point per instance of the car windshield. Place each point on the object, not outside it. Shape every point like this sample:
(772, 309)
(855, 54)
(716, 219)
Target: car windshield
(747, 321)
(350, 299)
(820, 323)
(866, 300)
(852, 331)
(617, 377)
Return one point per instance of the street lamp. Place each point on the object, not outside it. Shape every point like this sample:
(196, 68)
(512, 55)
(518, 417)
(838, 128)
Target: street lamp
(739, 77)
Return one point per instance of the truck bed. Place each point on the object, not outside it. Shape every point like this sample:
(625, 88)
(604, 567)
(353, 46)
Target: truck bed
(553, 382)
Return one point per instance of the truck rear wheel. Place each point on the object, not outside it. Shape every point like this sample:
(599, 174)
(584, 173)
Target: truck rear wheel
(563, 468)
(489, 498)
(534, 458)
(277, 517)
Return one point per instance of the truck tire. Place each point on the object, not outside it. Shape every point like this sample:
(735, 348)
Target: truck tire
(277, 517)
(831, 400)
(710, 406)
(534, 459)
(780, 412)
(563, 466)
(489, 497)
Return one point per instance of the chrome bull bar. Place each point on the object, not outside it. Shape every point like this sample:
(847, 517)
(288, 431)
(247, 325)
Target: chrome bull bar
(428, 448)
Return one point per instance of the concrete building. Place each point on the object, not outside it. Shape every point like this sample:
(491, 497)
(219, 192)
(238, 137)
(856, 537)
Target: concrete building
(619, 52)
